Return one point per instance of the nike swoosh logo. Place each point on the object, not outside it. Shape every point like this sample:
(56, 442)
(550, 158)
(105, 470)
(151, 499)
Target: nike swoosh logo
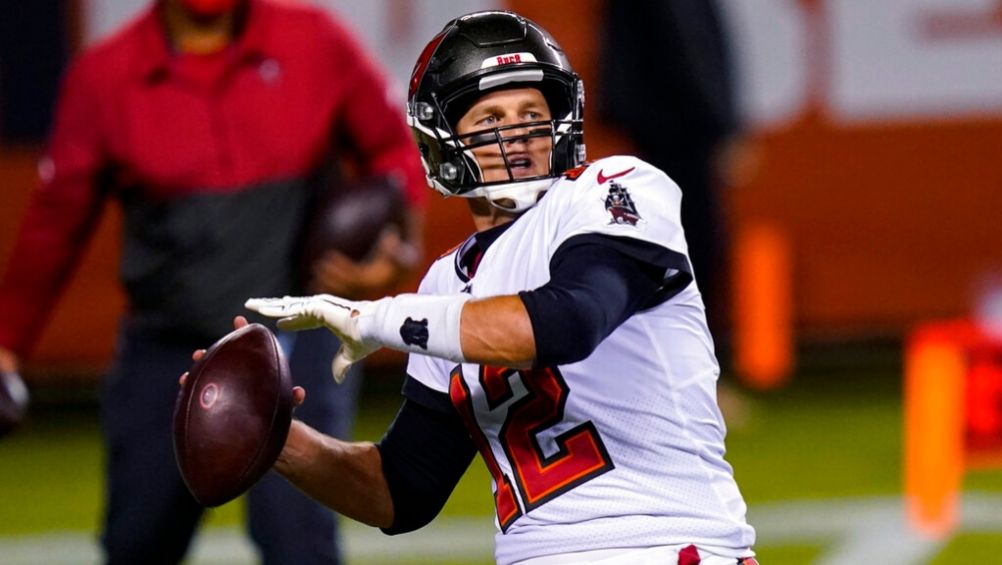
(602, 178)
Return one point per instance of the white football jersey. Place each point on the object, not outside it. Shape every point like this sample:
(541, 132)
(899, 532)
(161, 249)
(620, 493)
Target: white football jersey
(626, 447)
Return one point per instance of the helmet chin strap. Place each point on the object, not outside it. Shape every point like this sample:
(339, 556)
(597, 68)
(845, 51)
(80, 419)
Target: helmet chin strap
(521, 195)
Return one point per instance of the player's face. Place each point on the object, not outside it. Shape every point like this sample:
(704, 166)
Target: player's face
(209, 8)
(528, 157)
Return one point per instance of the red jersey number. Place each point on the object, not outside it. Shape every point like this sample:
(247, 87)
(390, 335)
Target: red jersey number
(580, 455)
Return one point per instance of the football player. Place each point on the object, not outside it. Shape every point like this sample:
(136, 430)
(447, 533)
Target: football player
(565, 340)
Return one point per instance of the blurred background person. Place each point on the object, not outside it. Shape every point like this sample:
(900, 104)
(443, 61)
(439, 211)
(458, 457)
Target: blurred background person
(665, 80)
(210, 123)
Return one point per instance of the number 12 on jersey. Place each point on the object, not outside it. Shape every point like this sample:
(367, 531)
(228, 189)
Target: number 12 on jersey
(580, 457)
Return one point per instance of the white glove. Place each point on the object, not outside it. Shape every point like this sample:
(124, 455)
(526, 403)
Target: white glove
(323, 310)
(423, 324)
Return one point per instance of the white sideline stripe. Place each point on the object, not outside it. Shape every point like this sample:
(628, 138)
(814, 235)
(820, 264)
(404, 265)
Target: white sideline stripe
(870, 530)
(856, 530)
(453, 539)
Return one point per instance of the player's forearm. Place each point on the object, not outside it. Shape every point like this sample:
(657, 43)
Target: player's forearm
(497, 331)
(489, 331)
(344, 476)
(492, 331)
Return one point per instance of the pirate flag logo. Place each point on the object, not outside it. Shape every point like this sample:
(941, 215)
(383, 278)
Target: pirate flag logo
(621, 206)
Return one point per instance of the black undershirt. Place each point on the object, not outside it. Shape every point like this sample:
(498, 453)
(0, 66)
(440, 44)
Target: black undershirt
(596, 283)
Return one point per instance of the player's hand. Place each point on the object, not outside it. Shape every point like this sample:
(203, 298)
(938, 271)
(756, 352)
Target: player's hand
(391, 261)
(298, 392)
(323, 310)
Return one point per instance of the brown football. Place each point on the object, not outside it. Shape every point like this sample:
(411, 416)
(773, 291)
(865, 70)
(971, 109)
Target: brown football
(350, 216)
(232, 415)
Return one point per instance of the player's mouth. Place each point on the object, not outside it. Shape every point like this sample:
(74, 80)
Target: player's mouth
(522, 165)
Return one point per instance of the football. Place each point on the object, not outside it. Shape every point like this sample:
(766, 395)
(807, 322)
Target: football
(351, 214)
(232, 415)
(13, 402)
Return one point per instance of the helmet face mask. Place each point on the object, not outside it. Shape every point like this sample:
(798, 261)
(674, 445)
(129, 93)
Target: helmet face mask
(512, 191)
(476, 55)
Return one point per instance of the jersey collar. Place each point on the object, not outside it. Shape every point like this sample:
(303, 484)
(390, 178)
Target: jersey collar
(472, 251)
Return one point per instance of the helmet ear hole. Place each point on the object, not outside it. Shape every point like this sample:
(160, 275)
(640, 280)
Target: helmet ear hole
(472, 56)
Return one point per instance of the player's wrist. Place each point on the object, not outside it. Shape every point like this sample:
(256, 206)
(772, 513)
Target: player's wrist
(294, 451)
(415, 323)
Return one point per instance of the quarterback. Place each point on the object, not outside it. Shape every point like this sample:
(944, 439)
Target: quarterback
(565, 341)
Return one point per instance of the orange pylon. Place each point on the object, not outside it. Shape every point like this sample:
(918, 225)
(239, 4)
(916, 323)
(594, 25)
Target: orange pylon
(763, 305)
(935, 373)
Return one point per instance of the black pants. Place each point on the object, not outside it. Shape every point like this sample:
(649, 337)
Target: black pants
(150, 517)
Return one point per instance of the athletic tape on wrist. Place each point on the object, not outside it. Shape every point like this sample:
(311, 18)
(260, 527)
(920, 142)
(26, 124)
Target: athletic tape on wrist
(415, 323)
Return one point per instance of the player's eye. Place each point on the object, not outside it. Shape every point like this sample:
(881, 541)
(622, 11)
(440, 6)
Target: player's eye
(489, 120)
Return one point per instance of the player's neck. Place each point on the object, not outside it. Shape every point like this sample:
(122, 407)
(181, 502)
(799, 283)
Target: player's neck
(487, 216)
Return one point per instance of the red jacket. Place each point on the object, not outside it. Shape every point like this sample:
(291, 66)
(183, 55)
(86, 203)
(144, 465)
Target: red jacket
(211, 158)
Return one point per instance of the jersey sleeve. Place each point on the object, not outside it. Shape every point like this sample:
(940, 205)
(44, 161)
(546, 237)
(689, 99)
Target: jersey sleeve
(627, 203)
(63, 210)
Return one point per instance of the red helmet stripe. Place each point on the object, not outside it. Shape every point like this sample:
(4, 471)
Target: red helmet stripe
(422, 62)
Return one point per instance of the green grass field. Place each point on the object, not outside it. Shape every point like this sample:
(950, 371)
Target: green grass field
(833, 436)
